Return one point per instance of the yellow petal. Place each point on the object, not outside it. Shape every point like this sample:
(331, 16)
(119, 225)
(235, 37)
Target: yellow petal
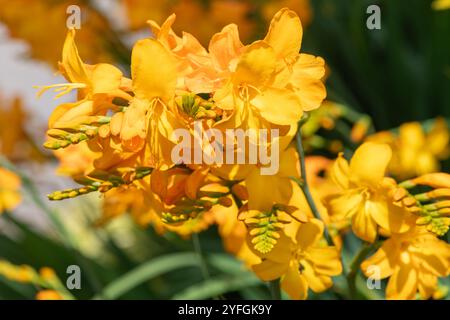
(309, 233)
(269, 270)
(389, 216)
(385, 259)
(279, 106)
(344, 205)
(369, 163)
(282, 251)
(259, 186)
(326, 260)
(340, 172)
(68, 112)
(306, 80)
(285, 34)
(289, 163)
(427, 284)
(363, 225)
(315, 281)
(403, 283)
(105, 78)
(194, 181)
(153, 71)
(256, 65)
(225, 47)
(295, 284)
(71, 61)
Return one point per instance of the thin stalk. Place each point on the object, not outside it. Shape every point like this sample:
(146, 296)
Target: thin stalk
(354, 267)
(304, 184)
(275, 290)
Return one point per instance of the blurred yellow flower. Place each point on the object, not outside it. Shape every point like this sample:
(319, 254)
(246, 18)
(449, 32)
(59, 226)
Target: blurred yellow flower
(365, 195)
(9, 190)
(413, 261)
(441, 4)
(76, 160)
(49, 295)
(15, 142)
(301, 263)
(51, 16)
(414, 151)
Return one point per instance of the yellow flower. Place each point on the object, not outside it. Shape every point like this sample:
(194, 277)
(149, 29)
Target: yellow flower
(414, 151)
(365, 195)
(97, 85)
(9, 190)
(147, 119)
(270, 73)
(441, 4)
(301, 263)
(413, 261)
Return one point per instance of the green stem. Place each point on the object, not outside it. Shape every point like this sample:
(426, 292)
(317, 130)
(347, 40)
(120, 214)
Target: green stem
(354, 267)
(275, 290)
(304, 184)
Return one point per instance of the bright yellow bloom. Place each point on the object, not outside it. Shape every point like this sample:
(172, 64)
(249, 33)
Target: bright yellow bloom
(301, 263)
(97, 85)
(267, 74)
(9, 190)
(414, 151)
(365, 195)
(441, 4)
(413, 261)
(147, 119)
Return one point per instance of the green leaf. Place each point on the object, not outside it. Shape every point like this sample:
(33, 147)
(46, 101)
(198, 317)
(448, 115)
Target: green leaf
(218, 286)
(147, 271)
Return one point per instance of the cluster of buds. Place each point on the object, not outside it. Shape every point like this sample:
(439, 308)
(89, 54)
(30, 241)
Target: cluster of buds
(84, 128)
(432, 206)
(101, 182)
(265, 228)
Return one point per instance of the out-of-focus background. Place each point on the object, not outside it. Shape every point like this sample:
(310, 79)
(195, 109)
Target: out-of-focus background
(384, 80)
